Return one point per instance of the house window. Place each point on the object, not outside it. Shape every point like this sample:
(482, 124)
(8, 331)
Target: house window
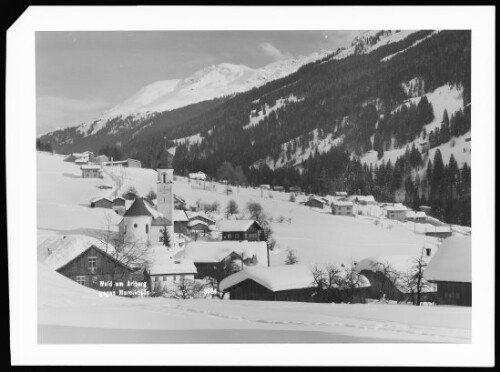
(164, 278)
(229, 236)
(161, 239)
(135, 225)
(236, 236)
(175, 278)
(125, 230)
(156, 279)
(81, 280)
(94, 280)
(181, 278)
(428, 251)
(92, 263)
(164, 177)
(147, 229)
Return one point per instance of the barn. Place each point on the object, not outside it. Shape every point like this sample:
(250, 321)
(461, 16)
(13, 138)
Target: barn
(119, 202)
(200, 216)
(180, 221)
(451, 270)
(396, 212)
(274, 283)
(199, 227)
(101, 202)
(241, 230)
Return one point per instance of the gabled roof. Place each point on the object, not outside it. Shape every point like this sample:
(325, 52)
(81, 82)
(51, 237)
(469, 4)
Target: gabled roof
(139, 208)
(452, 262)
(93, 200)
(194, 215)
(179, 215)
(236, 225)
(196, 222)
(216, 251)
(163, 264)
(274, 278)
(91, 167)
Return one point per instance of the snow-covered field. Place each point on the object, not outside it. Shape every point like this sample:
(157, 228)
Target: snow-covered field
(69, 312)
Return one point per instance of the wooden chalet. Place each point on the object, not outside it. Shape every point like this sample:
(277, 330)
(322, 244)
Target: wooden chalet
(315, 203)
(241, 230)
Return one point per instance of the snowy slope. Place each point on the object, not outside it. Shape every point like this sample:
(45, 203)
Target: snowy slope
(71, 313)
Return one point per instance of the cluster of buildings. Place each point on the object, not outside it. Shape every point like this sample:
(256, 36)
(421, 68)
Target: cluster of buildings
(91, 165)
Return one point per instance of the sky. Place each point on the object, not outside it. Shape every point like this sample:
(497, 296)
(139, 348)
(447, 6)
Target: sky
(79, 75)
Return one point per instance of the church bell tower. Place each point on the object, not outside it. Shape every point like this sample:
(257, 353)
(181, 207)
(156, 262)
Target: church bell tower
(164, 183)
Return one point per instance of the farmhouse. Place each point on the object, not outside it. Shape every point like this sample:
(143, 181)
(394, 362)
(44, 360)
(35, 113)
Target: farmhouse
(441, 232)
(101, 159)
(315, 202)
(217, 259)
(342, 208)
(101, 202)
(341, 194)
(295, 189)
(241, 230)
(198, 176)
(119, 202)
(91, 171)
(388, 276)
(274, 283)
(396, 212)
(451, 270)
(94, 266)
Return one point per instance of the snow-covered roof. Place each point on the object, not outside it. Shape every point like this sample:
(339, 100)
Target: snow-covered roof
(395, 266)
(64, 248)
(396, 208)
(197, 222)
(412, 214)
(90, 167)
(274, 278)
(365, 198)
(180, 215)
(216, 251)
(160, 221)
(339, 203)
(193, 215)
(100, 198)
(340, 193)
(161, 262)
(235, 225)
(452, 262)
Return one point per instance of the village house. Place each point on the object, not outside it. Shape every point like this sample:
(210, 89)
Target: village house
(416, 216)
(315, 202)
(388, 277)
(119, 202)
(101, 202)
(451, 270)
(362, 199)
(180, 221)
(99, 270)
(295, 189)
(198, 176)
(200, 216)
(197, 228)
(128, 163)
(396, 212)
(241, 230)
(341, 194)
(342, 208)
(218, 259)
(278, 188)
(91, 171)
(164, 272)
(274, 283)
(441, 232)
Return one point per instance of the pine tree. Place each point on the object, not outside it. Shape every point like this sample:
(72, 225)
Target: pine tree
(165, 236)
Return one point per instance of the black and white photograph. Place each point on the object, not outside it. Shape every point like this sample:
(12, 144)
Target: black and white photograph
(247, 188)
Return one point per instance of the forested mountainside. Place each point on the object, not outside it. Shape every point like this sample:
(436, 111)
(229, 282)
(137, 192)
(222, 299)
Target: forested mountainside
(364, 122)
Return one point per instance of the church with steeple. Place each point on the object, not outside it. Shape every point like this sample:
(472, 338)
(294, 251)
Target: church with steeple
(164, 185)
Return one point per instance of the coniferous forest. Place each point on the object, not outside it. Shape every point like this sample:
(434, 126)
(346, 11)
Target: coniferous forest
(360, 100)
